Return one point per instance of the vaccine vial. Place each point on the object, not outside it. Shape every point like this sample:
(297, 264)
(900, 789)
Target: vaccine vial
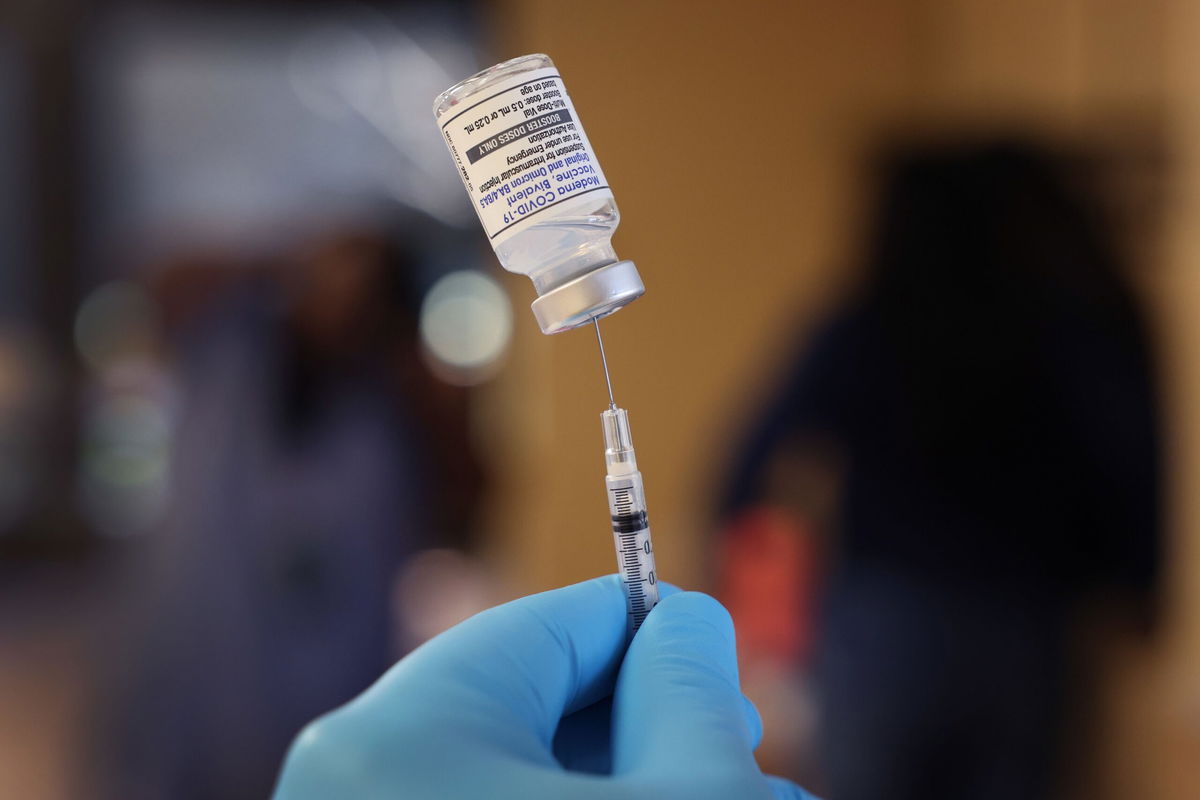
(538, 189)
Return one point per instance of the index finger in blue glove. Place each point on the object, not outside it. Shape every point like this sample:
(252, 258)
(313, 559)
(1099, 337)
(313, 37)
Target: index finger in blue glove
(509, 674)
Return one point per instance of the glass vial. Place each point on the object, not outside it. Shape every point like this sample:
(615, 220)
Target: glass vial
(538, 189)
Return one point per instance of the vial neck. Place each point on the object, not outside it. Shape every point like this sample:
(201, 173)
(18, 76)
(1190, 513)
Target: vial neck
(581, 262)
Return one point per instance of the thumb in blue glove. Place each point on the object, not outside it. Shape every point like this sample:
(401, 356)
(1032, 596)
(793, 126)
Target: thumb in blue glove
(516, 702)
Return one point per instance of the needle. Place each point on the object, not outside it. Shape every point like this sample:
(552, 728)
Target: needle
(603, 360)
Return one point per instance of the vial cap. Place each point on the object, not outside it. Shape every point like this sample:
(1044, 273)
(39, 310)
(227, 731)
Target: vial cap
(596, 294)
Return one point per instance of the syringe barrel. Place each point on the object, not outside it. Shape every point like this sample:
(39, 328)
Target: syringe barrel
(635, 551)
(631, 528)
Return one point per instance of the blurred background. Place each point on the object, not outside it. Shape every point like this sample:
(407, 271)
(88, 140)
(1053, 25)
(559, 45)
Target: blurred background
(914, 383)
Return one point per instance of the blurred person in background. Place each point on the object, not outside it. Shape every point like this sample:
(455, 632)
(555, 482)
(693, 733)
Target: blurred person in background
(315, 453)
(985, 410)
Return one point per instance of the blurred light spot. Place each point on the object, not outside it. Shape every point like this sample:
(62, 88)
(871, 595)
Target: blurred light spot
(114, 321)
(437, 589)
(466, 324)
(125, 458)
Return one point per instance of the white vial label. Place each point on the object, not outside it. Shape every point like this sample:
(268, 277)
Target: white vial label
(521, 151)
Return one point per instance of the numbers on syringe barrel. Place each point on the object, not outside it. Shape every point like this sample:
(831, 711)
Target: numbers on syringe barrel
(634, 557)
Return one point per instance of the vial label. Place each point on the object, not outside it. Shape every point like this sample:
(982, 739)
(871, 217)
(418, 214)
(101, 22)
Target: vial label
(521, 151)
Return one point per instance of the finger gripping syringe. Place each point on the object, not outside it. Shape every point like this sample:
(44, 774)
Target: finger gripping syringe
(627, 507)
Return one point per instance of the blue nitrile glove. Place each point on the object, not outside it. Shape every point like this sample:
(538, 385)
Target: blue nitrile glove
(538, 699)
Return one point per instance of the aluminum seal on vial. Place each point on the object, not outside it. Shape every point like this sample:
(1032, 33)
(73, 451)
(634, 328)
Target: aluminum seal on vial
(591, 296)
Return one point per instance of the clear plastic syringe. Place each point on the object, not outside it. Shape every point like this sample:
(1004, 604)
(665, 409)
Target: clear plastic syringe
(627, 507)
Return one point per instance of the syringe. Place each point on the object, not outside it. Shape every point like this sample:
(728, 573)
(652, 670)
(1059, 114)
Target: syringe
(627, 507)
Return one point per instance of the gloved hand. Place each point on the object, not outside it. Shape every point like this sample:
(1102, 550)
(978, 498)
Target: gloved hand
(538, 698)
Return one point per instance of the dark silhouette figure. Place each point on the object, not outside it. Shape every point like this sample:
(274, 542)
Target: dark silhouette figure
(990, 393)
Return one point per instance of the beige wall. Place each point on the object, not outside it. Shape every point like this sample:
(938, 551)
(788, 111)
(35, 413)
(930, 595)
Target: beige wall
(738, 204)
